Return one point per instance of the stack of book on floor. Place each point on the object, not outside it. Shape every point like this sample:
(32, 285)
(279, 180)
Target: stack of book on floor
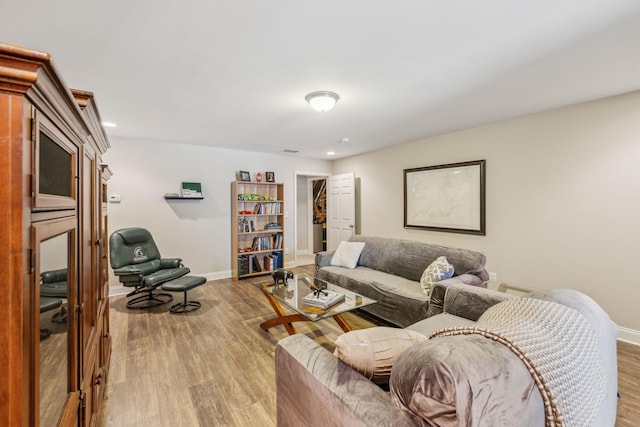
(323, 299)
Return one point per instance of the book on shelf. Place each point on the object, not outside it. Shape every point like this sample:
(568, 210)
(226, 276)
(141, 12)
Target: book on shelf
(245, 225)
(265, 243)
(278, 256)
(270, 262)
(267, 208)
(323, 299)
(255, 264)
(243, 265)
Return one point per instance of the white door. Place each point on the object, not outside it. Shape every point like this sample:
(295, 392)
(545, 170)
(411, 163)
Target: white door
(341, 209)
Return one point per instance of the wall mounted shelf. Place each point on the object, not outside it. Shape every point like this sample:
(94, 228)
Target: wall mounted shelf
(182, 198)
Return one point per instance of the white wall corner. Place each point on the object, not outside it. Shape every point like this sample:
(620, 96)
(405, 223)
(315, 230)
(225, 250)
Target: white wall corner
(629, 335)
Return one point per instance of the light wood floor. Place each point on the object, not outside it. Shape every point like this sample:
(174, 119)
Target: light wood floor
(215, 366)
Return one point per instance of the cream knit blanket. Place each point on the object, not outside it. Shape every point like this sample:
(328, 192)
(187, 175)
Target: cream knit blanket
(559, 348)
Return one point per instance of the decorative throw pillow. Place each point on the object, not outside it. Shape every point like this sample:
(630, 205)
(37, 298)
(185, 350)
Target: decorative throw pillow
(373, 351)
(439, 269)
(347, 254)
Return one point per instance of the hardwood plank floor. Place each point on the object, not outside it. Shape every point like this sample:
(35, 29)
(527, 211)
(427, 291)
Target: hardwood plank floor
(215, 366)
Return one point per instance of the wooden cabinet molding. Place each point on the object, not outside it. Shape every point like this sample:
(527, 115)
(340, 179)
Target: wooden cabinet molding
(32, 92)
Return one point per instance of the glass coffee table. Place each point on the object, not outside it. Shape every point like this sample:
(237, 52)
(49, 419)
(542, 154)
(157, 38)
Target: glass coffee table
(291, 296)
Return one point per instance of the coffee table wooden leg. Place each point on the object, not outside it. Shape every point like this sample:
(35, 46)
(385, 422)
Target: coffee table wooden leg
(342, 323)
(282, 319)
(285, 321)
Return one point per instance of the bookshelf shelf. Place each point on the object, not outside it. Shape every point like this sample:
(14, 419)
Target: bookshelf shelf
(255, 205)
(260, 252)
(258, 232)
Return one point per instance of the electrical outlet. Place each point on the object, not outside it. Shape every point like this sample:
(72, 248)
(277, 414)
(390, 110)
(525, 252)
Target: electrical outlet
(493, 276)
(286, 251)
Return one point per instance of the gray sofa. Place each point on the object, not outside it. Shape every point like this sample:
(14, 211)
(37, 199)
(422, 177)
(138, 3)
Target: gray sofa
(468, 380)
(389, 271)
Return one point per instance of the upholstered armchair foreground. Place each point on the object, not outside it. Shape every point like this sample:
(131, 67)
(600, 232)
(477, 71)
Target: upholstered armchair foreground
(547, 358)
(136, 261)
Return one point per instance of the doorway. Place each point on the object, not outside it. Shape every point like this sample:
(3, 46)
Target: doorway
(310, 215)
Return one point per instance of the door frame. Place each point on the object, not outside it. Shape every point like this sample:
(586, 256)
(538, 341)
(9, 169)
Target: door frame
(307, 227)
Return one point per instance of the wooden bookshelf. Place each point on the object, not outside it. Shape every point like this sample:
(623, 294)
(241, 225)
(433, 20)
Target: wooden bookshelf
(257, 222)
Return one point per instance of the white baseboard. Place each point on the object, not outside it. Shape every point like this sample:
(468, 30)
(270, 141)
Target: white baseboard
(215, 275)
(118, 290)
(629, 335)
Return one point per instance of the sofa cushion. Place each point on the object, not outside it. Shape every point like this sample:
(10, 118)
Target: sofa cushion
(347, 254)
(465, 380)
(438, 270)
(399, 300)
(432, 324)
(373, 351)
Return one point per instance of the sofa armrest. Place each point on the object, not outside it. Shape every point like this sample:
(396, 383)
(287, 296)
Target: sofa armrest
(436, 299)
(471, 301)
(315, 388)
(323, 259)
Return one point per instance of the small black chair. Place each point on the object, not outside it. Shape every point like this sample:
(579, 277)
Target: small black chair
(136, 260)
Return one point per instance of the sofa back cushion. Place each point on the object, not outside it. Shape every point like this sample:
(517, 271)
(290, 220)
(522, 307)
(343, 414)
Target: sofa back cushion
(409, 259)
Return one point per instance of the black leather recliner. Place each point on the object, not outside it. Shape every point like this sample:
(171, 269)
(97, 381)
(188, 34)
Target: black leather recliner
(136, 260)
(54, 286)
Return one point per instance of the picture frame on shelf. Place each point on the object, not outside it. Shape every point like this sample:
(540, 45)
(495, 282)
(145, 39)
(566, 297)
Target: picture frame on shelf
(449, 198)
(270, 176)
(244, 176)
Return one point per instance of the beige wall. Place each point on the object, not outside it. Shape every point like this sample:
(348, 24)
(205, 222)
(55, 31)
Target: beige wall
(197, 231)
(563, 198)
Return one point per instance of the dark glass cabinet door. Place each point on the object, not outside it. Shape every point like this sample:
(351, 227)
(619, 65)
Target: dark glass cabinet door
(55, 168)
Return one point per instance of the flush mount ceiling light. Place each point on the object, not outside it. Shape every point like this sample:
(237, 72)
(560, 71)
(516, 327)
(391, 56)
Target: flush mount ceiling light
(322, 101)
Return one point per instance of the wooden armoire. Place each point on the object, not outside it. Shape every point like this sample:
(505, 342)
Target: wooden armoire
(53, 223)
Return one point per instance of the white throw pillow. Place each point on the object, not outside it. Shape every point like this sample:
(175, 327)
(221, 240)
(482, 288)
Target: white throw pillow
(373, 351)
(347, 254)
(439, 269)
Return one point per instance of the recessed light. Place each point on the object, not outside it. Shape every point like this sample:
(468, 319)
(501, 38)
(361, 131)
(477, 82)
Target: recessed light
(331, 153)
(345, 140)
(109, 125)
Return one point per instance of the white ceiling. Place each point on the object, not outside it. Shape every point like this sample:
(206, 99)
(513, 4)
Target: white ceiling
(234, 74)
